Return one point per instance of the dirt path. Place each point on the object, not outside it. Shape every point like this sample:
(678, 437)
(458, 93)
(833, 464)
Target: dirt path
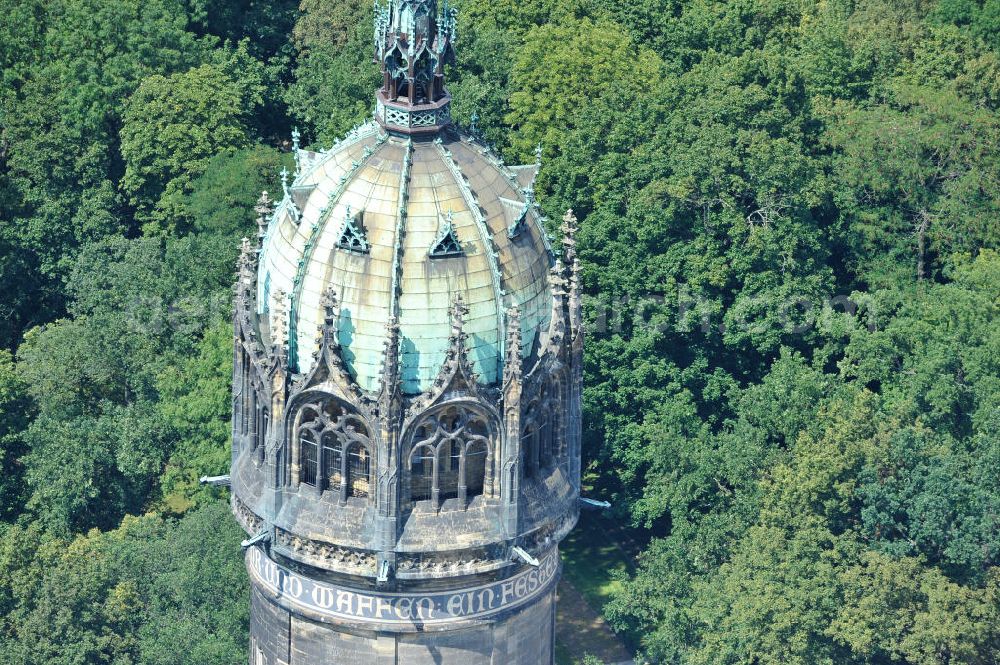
(581, 630)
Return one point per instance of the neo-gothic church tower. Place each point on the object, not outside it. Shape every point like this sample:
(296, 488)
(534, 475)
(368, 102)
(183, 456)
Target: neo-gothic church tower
(406, 394)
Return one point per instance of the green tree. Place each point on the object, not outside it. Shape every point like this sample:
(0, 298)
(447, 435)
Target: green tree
(15, 414)
(84, 59)
(898, 609)
(196, 398)
(223, 198)
(918, 181)
(137, 593)
(562, 67)
(171, 128)
(92, 470)
(334, 78)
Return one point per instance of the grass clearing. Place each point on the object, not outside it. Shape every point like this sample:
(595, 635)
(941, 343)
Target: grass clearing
(591, 555)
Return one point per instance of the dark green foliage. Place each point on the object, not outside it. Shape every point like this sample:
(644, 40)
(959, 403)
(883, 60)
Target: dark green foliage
(62, 118)
(135, 594)
(196, 398)
(851, 485)
(172, 127)
(221, 201)
(101, 440)
(335, 78)
(15, 415)
(789, 256)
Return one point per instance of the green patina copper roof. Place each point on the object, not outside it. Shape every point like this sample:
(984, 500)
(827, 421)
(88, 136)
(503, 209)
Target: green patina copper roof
(399, 193)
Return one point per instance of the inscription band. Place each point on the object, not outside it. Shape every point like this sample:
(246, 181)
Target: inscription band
(399, 608)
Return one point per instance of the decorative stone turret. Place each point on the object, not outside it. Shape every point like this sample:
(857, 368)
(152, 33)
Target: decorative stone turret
(406, 399)
(412, 44)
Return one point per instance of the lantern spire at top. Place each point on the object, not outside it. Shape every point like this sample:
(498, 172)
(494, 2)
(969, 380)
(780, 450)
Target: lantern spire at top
(413, 42)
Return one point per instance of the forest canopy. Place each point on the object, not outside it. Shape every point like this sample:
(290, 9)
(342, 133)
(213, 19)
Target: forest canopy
(790, 253)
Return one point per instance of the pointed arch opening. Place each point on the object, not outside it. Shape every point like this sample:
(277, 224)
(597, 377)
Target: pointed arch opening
(540, 442)
(333, 450)
(451, 456)
(359, 471)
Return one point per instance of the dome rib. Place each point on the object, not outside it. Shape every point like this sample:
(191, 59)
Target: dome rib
(397, 250)
(487, 239)
(310, 246)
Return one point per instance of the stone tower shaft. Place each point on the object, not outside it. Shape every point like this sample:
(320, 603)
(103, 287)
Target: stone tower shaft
(406, 398)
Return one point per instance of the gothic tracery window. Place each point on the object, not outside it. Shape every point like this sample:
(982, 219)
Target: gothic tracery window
(309, 446)
(529, 449)
(332, 460)
(334, 451)
(249, 406)
(358, 470)
(539, 448)
(450, 456)
(476, 454)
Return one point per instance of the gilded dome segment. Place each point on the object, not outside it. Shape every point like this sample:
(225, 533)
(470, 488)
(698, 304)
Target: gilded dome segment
(394, 216)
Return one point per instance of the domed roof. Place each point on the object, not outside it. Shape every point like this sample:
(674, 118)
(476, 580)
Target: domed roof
(399, 226)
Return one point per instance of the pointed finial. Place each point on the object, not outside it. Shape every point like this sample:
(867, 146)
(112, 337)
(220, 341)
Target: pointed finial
(513, 331)
(569, 222)
(390, 357)
(575, 302)
(326, 331)
(244, 265)
(279, 324)
(474, 124)
(557, 279)
(330, 306)
(264, 210)
(458, 313)
(569, 229)
(457, 351)
(284, 179)
(392, 338)
(296, 151)
(264, 205)
(512, 361)
(538, 154)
